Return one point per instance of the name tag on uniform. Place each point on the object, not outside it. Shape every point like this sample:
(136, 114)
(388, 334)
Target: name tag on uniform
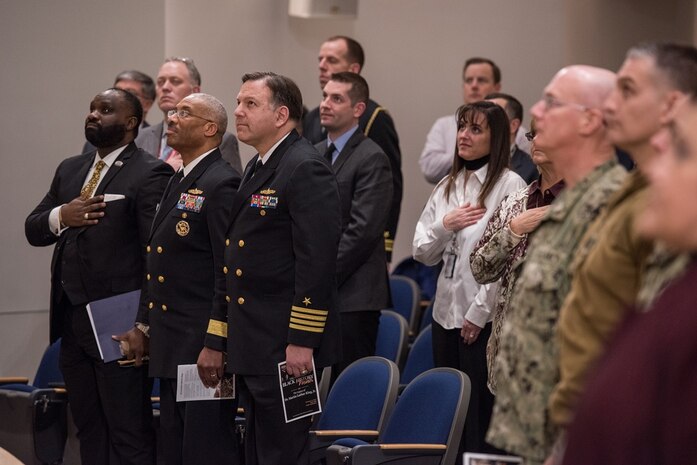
(263, 201)
(191, 203)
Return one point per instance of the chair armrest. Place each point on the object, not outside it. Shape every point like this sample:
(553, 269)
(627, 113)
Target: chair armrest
(14, 380)
(343, 433)
(373, 454)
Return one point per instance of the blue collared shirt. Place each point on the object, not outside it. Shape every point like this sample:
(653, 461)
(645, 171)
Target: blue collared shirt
(340, 142)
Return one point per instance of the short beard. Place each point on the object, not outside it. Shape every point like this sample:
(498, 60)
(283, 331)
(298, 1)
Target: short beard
(106, 136)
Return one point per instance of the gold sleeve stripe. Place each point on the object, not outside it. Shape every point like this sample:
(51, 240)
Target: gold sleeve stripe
(311, 311)
(306, 328)
(217, 328)
(369, 126)
(308, 323)
(308, 317)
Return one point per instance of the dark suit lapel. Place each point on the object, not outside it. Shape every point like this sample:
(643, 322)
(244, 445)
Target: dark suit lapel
(116, 168)
(79, 179)
(262, 174)
(348, 149)
(166, 204)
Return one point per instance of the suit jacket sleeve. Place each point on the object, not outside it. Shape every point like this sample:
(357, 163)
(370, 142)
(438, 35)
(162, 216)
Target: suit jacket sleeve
(383, 133)
(370, 208)
(36, 227)
(218, 220)
(316, 226)
(230, 151)
(149, 194)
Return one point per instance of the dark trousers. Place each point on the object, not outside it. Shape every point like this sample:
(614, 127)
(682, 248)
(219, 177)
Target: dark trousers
(359, 333)
(196, 432)
(270, 440)
(110, 405)
(449, 350)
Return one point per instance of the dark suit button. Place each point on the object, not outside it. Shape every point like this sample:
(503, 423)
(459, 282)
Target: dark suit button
(240, 300)
(148, 276)
(227, 298)
(164, 307)
(147, 249)
(238, 272)
(159, 249)
(161, 279)
(225, 269)
(262, 212)
(227, 242)
(151, 305)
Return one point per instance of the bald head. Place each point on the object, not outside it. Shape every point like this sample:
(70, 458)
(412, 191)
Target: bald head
(590, 85)
(211, 108)
(569, 120)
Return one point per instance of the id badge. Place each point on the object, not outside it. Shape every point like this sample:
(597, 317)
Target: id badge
(449, 264)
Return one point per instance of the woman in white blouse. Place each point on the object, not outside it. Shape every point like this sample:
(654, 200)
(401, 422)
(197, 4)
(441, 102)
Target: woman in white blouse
(451, 224)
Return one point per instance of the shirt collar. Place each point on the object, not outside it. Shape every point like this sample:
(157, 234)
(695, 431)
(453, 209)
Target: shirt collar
(264, 157)
(341, 141)
(192, 164)
(109, 159)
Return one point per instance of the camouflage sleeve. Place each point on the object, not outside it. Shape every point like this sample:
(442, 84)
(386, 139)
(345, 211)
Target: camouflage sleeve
(493, 251)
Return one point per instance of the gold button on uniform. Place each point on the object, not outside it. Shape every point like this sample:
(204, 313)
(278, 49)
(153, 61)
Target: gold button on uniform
(227, 298)
(262, 212)
(240, 300)
(148, 276)
(238, 272)
(151, 305)
(184, 215)
(159, 249)
(148, 248)
(241, 243)
(227, 242)
(164, 307)
(225, 269)
(161, 279)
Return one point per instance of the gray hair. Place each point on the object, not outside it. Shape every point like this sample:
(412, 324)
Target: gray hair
(194, 75)
(214, 109)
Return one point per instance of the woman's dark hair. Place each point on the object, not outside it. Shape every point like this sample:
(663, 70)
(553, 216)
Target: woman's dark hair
(499, 148)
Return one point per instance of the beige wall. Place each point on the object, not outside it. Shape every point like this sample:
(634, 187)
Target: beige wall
(57, 55)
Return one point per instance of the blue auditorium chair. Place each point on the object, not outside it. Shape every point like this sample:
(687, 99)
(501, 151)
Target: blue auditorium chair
(358, 405)
(424, 428)
(420, 357)
(33, 425)
(393, 335)
(406, 299)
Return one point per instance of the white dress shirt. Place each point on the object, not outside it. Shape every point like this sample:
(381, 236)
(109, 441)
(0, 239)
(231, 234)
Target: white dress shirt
(109, 160)
(461, 296)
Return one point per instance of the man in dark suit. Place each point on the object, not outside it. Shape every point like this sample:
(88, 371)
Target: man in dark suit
(177, 78)
(338, 54)
(184, 249)
(276, 302)
(521, 162)
(98, 212)
(364, 176)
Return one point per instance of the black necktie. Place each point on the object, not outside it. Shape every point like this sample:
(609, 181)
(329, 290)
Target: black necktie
(173, 183)
(329, 153)
(251, 172)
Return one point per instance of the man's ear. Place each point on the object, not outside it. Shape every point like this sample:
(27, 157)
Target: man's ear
(671, 101)
(355, 68)
(358, 109)
(515, 125)
(591, 120)
(211, 129)
(282, 115)
(131, 123)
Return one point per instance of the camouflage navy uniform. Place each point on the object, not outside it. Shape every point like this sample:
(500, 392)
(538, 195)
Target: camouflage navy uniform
(527, 365)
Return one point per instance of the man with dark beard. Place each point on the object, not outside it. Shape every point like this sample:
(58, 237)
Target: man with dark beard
(98, 212)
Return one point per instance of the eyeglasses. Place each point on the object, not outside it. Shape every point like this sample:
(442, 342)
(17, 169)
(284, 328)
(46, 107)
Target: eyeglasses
(530, 135)
(551, 102)
(183, 114)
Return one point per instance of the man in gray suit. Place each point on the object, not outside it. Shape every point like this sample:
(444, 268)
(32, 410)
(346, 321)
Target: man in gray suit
(364, 176)
(177, 78)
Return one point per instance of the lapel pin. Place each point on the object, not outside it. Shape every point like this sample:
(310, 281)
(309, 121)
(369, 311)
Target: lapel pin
(118, 163)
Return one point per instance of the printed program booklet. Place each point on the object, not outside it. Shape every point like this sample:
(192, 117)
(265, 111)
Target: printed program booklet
(300, 395)
(111, 316)
(190, 387)
(489, 459)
